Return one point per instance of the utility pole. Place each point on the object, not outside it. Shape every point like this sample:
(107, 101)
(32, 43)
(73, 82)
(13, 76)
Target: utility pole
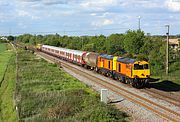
(167, 50)
(139, 22)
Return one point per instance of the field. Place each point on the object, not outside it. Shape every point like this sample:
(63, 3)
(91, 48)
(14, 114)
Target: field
(47, 93)
(7, 83)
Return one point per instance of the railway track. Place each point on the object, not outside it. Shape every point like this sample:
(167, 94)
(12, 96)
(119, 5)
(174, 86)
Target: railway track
(162, 111)
(162, 96)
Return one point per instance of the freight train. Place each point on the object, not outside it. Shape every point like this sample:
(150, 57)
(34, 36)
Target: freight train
(126, 70)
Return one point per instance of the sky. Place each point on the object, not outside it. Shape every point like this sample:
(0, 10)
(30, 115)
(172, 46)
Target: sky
(88, 17)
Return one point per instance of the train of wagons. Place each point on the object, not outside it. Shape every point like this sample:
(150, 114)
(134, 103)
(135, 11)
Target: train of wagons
(126, 70)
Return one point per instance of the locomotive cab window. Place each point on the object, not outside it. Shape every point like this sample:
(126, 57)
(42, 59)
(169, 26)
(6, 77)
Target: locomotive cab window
(146, 66)
(140, 67)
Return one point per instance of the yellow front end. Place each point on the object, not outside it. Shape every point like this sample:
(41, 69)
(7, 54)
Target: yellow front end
(38, 46)
(141, 70)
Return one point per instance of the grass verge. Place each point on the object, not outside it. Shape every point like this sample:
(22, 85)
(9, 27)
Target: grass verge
(8, 78)
(170, 83)
(47, 93)
(5, 54)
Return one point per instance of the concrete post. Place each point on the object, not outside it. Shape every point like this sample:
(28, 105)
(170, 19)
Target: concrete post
(104, 95)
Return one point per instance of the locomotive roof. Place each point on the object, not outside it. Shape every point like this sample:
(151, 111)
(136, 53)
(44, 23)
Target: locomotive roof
(110, 57)
(126, 60)
(78, 52)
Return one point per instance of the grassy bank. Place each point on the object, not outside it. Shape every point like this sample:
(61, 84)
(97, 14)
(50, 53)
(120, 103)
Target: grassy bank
(170, 82)
(7, 78)
(5, 54)
(47, 93)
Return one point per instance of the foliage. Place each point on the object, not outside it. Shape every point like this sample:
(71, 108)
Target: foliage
(10, 38)
(134, 40)
(3, 41)
(154, 51)
(114, 44)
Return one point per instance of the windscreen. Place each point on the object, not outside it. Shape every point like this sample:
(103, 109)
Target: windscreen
(140, 67)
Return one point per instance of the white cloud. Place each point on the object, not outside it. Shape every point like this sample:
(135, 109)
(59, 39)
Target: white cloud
(141, 3)
(103, 22)
(57, 13)
(99, 4)
(23, 13)
(173, 5)
(107, 22)
(21, 25)
(93, 14)
(4, 3)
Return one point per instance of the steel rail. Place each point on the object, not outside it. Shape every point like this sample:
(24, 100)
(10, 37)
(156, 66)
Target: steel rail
(125, 96)
(162, 97)
(124, 90)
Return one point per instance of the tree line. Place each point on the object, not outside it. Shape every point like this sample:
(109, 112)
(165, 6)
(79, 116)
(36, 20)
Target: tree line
(133, 44)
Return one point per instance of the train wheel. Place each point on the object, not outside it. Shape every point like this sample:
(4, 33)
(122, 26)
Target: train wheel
(110, 74)
(131, 81)
(127, 81)
(119, 78)
(146, 83)
(106, 74)
(86, 66)
(140, 84)
(115, 77)
(123, 80)
(135, 83)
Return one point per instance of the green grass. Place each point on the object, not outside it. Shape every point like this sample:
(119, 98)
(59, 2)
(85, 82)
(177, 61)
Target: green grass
(2, 47)
(174, 73)
(49, 94)
(7, 59)
(170, 82)
(4, 57)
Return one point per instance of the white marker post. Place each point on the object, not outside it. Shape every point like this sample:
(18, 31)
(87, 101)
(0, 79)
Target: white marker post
(104, 94)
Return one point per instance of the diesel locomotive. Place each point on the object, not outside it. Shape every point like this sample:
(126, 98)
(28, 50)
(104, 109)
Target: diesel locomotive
(126, 70)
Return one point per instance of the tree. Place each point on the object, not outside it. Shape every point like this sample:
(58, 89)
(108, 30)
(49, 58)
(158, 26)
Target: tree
(10, 38)
(133, 41)
(114, 44)
(157, 56)
(146, 48)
